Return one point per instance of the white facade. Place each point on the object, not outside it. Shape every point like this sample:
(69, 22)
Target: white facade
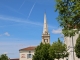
(70, 42)
(26, 55)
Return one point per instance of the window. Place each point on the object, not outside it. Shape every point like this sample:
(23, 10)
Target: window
(22, 55)
(46, 40)
(29, 51)
(29, 56)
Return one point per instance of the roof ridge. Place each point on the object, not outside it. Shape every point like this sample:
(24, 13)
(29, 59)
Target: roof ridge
(28, 48)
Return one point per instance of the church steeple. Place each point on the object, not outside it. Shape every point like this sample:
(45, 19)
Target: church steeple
(45, 28)
(45, 35)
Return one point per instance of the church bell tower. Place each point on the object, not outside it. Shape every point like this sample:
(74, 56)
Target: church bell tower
(45, 35)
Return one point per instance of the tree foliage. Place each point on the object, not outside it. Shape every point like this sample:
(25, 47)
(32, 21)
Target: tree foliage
(58, 50)
(69, 14)
(4, 57)
(77, 47)
(42, 52)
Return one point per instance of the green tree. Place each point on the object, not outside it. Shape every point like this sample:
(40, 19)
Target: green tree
(69, 13)
(69, 17)
(4, 57)
(58, 50)
(42, 52)
(77, 47)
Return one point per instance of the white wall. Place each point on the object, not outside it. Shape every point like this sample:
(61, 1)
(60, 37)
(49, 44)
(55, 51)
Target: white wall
(68, 42)
(25, 55)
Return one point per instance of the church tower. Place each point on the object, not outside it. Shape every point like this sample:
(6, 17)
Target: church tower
(45, 35)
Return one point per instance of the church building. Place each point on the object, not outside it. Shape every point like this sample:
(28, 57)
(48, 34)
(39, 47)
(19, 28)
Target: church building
(27, 53)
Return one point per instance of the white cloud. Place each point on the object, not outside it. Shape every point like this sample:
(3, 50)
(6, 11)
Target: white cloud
(19, 20)
(57, 31)
(5, 53)
(22, 4)
(5, 34)
(31, 10)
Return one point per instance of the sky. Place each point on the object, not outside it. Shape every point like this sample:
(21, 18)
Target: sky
(21, 24)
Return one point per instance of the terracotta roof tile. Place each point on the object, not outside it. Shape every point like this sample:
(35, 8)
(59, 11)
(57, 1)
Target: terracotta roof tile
(28, 48)
(15, 59)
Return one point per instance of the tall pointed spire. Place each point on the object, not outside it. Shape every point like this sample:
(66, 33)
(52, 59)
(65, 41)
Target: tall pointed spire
(45, 28)
(45, 35)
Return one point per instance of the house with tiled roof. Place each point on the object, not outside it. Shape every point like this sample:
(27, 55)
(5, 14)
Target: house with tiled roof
(27, 53)
(14, 59)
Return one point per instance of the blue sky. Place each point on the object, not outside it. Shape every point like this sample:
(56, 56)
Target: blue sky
(21, 24)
